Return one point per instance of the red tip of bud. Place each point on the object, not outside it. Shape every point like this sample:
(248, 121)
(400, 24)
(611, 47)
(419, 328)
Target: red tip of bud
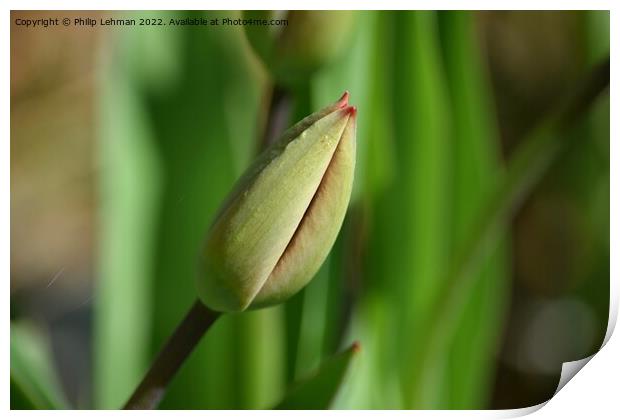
(356, 347)
(344, 100)
(352, 111)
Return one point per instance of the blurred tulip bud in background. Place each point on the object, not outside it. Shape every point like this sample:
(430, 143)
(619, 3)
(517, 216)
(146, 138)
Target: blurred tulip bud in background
(280, 221)
(310, 39)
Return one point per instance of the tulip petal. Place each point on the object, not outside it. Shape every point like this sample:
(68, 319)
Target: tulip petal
(319, 227)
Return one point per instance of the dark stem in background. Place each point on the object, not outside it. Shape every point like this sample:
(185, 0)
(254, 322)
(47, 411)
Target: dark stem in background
(182, 342)
(278, 117)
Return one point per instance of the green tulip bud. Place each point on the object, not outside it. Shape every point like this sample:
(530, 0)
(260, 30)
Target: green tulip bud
(311, 39)
(278, 224)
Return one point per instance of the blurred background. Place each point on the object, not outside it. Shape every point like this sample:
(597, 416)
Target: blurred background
(124, 141)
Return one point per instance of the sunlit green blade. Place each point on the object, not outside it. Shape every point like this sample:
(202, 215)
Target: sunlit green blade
(34, 384)
(419, 211)
(374, 384)
(475, 171)
(128, 192)
(317, 391)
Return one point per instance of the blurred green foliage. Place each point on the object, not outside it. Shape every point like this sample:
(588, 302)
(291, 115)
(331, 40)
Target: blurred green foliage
(421, 272)
(429, 160)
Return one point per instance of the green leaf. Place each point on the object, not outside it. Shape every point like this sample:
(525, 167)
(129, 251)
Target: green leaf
(416, 209)
(317, 392)
(34, 384)
(476, 168)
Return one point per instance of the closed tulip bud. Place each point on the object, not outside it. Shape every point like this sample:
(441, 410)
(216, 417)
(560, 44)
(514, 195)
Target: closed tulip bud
(311, 39)
(277, 226)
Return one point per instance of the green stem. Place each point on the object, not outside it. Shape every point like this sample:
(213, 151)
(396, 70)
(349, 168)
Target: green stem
(178, 347)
